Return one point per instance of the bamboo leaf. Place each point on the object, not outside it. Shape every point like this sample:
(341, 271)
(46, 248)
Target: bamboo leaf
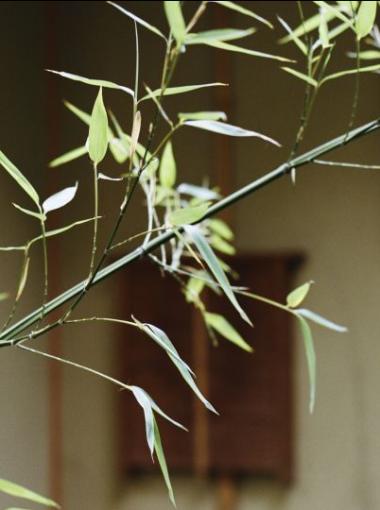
(238, 49)
(318, 319)
(307, 26)
(172, 91)
(323, 29)
(135, 133)
(242, 10)
(23, 279)
(198, 192)
(120, 149)
(297, 41)
(301, 76)
(366, 55)
(37, 215)
(3, 296)
(226, 330)
(94, 82)
(18, 491)
(202, 116)
(98, 131)
(194, 287)
(68, 156)
(310, 358)
(335, 11)
(21, 180)
(83, 116)
(228, 129)
(104, 177)
(62, 230)
(219, 244)
(187, 215)
(211, 260)
(162, 461)
(221, 228)
(298, 295)
(144, 402)
(59, 199)
(175, 19)
(168, 168)
(365, 18)
(220, 34)
(366, 69)
(138, 20)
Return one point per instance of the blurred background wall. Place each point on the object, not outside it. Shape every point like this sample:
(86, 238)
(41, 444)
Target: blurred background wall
(331, 215)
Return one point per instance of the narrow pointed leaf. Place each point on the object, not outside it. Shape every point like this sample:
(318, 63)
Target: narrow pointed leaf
(162, 461)
(94, 82)
(187, 215)
(228, 129)
(296, 297)
(220, 34)
(221, 228)
(68, 156)
(297, 41)
(144, 402)
(318, 319)
(104, 177)
(219, 244)
(307, 26)
(254, 53)
(37, 215)
(3, 296)
(119, 149)
(194, 288)
(366, 69)
(172, 91)
(18, 491)
(61, 230)
(59, 199)
(198, 192)
(211, 260)
(23, 279)
(366, 55)
(310, 359)
(246, 12)
(168, 168)
(365, 18)
(301, 76)
(21, 180)
(226, 330)
(138, 20)
(335, 11)
(98, 131)
(135, 133)
(83, 116)
(175, 19)
(202, 116)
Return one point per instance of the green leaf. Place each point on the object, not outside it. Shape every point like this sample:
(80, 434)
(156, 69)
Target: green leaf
(23, 279)
(120, 150)
(37, 215)
(90, 81)
(162, 462)
(301, 76)
(310, 358)
(366, 69)
(225, 329)
(194, 287)
(238, 49)
(296, 297)
(221, 228)
(187, 215)
(202, 116)
(61, 230)
(168, 168)
(59, 199)
(68, 156)
(242, 10)
(19, 178)
(365, 18)
(220, 34)
(323, 29)
(18, 491)
(211, 260)
(297, 41)
(307, 26)
(366, 55)
(172, 91)
(335, 11)
(3, 296)
(98, 131)
(318, 319)
(144, 402)
(227, 129)
(198, 192)
(218, 243)
(138, 20)
(83, 116)
(175, 19)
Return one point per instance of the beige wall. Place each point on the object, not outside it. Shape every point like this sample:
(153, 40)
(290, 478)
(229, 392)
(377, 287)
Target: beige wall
(331, 215)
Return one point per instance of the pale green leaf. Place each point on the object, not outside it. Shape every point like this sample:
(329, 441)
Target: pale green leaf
(172, 91)
(83, 116)
(61, 230)
(242, 10)
(323, 29)
(366, 55)
(318, 319)
(120, 149)
(21, 180)
(138, 20)
(187, 215)
(225, 329)
(297, 41)
(135, 133)
(162, 462)
(212, 262)
(37, 215)
(194, 288)
(219, 244)
(18, 491)
(198, 192)
(307, 26)
(68, 156)
(144, 402)
(98, 131)
(23, 279)
(366, 69)
(310, 359)
(228, 129)
(3, 296)
(238, 49)
(301, 76)
(168, 168)
(202, 116)
(220, 34)
(296, 297)
(59, 199)
(335, 11)
(90, 81)
(221, 228)
(365, 18)
(175, 19)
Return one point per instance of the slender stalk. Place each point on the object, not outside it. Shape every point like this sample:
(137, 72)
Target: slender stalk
(302, 160)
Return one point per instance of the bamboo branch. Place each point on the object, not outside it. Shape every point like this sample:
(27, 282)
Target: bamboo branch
(16, 329)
